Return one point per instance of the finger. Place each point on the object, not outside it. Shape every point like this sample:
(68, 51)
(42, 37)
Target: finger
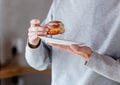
(31, 33)
(78, 49)
(37, 33)
(35, 22)
(38, 29)
(64, 47)
(75, 48)
(32, 38)
(42, 33)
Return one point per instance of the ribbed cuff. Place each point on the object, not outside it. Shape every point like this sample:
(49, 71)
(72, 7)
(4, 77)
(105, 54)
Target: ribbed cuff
(32, 46)
(91, 58)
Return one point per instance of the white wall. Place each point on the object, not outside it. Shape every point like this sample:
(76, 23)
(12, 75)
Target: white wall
(14, 24)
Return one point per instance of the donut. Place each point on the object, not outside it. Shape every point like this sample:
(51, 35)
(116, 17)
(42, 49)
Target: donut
(55, 27)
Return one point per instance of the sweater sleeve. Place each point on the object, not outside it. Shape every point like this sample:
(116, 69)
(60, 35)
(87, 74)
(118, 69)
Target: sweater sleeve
(39, 58)
(105, 65)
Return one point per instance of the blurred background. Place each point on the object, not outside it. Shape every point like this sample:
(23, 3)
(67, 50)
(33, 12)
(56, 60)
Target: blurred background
(15, 16)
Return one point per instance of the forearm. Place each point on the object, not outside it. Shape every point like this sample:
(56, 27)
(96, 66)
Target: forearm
(105, 65)
(38, 58)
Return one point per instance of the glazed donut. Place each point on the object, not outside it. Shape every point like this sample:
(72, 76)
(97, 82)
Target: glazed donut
(55, 27)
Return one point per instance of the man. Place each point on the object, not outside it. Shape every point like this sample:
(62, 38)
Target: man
(93, 22)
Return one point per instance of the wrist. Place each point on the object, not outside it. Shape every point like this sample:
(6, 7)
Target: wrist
(34, 46)
(88, 55)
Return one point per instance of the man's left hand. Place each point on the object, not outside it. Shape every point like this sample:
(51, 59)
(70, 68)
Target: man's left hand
(83, 51)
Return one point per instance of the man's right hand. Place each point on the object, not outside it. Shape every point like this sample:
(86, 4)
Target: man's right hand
(35, 31)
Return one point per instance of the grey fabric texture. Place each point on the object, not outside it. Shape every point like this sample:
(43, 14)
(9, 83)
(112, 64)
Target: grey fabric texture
(93, 22)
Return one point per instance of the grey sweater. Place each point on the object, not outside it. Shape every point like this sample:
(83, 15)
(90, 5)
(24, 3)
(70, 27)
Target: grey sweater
(93, 22)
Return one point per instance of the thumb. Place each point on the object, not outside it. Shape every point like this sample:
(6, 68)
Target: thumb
(34, 22)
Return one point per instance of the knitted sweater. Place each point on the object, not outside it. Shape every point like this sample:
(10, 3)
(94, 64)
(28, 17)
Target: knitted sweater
(93, 22)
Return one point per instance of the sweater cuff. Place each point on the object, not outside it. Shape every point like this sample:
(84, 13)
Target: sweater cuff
(32, 46)
(40, 46)
(92, 60)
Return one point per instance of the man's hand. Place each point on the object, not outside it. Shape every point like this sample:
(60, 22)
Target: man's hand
(35, 31)
(82, 51)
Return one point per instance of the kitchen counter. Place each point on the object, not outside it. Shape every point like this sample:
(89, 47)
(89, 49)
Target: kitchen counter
(16, 70)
